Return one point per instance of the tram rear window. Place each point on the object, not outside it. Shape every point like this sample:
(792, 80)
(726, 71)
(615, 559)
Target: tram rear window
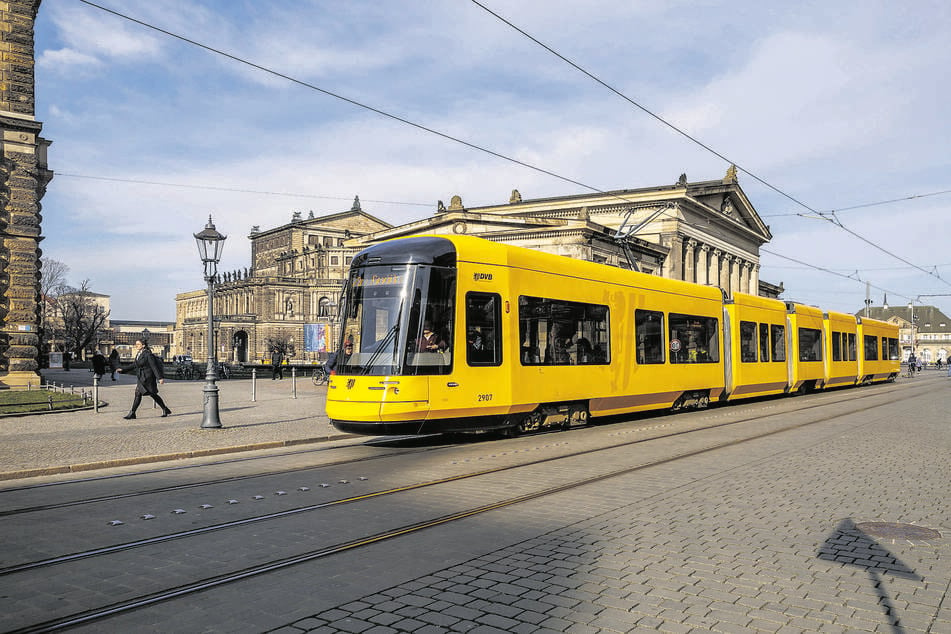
(893, 349)
(871, 348)
(778, 341)
(810, 344)
(557, 332)
(694, 339)
(747, 341)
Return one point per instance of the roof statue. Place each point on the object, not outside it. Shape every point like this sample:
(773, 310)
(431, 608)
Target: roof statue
(682, 181)
(440, 207)
(730, 175)
(296, 217)
(356, 204)
(310, 216)
(455, 203)
(515, 197)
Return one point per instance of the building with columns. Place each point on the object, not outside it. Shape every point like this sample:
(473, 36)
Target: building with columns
(24, 176)
(705, 232)
(290, 292)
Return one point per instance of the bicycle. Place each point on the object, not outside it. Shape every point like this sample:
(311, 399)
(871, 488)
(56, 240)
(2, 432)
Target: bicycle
(321, 376)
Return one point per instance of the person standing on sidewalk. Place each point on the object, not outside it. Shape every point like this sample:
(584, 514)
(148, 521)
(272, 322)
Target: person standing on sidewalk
(98, 365)
(148, 370)
(113, 362)
(277, 358)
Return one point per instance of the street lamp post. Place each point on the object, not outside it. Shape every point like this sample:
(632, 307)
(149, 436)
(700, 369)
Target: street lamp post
(210, 245)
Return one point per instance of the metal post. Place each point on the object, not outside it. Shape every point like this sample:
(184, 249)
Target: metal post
(210, 418)
(294, 380)
(95, 393)
(254, 379)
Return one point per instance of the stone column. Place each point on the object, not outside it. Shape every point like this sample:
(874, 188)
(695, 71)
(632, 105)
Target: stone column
(745, 277)
(754, 279)
(703, 272)
(714, 268)
(735, 274)
(673, 265)
(690, 262)
(725, 261)
(23, 179)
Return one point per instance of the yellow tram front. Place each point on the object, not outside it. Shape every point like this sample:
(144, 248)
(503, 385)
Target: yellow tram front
(398, 336)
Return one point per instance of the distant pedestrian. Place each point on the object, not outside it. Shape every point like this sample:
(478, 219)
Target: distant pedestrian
(113, 362)
(98, 365)
(148, 370)
(277, 358)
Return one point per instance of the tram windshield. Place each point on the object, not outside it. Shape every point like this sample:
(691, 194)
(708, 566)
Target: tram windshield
(398, 321)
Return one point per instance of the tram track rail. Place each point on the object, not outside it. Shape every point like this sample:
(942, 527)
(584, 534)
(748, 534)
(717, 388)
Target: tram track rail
(209, 582)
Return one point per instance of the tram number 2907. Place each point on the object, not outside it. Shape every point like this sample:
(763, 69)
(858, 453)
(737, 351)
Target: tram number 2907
(485, 397)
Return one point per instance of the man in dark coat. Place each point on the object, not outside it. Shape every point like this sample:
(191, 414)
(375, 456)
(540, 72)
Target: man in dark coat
(98, 364)
(148, 370)
(113, 362)
(277, 358)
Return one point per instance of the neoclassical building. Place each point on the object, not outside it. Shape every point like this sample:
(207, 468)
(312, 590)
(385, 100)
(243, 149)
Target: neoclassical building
(290, 291)
(24, 176)
(706, 232)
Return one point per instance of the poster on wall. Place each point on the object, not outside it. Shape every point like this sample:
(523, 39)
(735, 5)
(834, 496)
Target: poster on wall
(56, 359)
(315, 337)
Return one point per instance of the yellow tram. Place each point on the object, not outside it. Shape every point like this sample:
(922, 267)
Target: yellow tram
(456, 333)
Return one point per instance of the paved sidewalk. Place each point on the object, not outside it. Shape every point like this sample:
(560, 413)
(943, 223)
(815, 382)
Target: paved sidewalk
(46, 444)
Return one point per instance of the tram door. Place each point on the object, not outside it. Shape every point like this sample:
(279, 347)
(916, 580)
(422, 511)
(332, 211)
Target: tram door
(480, 384)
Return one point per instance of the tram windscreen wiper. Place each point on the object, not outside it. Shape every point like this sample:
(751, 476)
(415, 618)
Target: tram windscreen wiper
(381, 346)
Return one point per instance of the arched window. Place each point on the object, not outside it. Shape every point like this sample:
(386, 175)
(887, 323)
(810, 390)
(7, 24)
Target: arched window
(323, 307)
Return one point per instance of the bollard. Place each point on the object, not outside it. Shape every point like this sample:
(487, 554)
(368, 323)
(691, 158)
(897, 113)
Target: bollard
(254, 378)
(50, 397)
(294, 380)
(95, 393)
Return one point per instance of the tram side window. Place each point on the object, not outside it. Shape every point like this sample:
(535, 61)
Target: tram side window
(557, 332)
(837, 338)
(747, 341)
(871, 348)
(852, 353)
(810, 344)
(893, 349)
(649, 334)
(483, 339)
(778, 336)
(764, 342)
(694, 339)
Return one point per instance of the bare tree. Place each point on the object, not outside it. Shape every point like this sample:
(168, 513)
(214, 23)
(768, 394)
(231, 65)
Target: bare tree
(83, 318)
(281, 343)
(52, 285)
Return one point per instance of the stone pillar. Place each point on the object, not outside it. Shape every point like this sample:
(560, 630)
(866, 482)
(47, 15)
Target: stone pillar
(735, 273)
(754, 279)
(23, 179)
(690, 261)
(703, 271)
(725, 261)
(714, 275)
(745, 277)
(673, 265)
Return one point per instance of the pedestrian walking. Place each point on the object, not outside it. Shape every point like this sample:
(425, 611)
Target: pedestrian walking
(277, 358)
(113, 362)
(148, 370)
(98, 365)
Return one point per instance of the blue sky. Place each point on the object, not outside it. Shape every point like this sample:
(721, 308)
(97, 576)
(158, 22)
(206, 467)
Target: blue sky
(837, 104)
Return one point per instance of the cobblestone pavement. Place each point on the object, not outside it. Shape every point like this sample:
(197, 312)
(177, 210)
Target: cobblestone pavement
(82, 440)
(782, 535)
